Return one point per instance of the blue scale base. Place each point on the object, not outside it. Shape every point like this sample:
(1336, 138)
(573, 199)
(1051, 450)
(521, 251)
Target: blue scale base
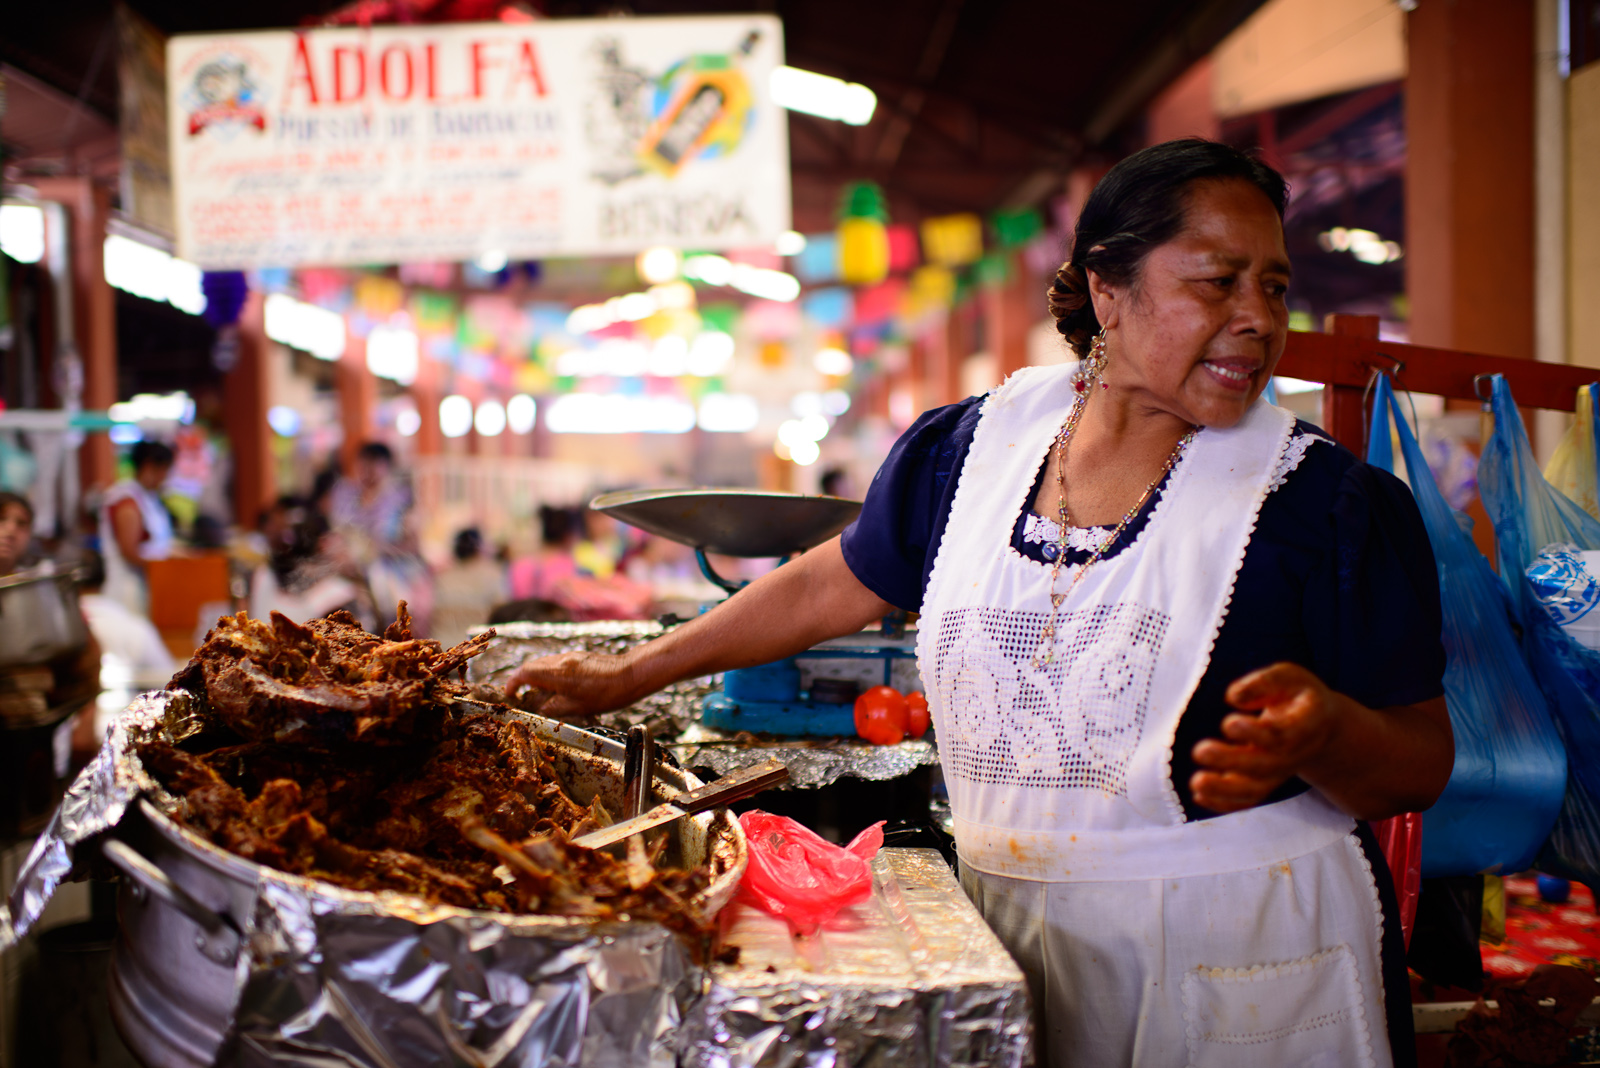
(798, 717)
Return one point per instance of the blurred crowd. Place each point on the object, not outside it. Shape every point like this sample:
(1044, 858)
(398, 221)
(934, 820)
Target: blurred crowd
(352, 544)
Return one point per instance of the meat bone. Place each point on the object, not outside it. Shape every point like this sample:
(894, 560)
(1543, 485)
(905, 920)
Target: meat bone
(744, 783)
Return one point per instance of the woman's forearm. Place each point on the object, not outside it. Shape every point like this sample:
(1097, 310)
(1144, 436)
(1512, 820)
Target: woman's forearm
(786, 611)
(1382, 762)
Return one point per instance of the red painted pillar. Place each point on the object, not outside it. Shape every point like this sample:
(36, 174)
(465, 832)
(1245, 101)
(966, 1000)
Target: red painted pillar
(244, 399)
(94, 310)
(358, 396)
(1469, 175)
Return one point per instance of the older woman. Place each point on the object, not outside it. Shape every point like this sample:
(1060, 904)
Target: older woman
(1177, 645)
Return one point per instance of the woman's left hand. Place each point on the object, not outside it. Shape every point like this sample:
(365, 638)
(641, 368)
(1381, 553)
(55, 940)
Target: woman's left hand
(1290, 718)
(1371, 762)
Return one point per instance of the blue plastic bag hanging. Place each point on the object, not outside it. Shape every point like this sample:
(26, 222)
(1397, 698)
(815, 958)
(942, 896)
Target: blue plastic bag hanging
(1535, 525)
(1510, 772)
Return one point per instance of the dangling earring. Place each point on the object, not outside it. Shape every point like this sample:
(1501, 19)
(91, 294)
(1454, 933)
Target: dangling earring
(1094, 365)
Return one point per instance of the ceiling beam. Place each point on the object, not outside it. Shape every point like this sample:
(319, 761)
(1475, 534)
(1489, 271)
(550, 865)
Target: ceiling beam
(1164, 58)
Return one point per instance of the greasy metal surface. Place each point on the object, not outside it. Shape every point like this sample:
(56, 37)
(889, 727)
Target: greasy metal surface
(666, 712)
(733, 522)
(811, 763)
(912, 976)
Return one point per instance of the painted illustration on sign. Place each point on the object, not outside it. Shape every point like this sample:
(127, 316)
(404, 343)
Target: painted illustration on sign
(560, 138)
(224, 94)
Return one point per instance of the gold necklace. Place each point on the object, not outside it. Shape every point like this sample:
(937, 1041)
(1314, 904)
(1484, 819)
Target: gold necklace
(1046, 653)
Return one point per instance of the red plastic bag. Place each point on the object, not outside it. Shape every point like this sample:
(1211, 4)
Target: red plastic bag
(1400, 839)
(796, 874)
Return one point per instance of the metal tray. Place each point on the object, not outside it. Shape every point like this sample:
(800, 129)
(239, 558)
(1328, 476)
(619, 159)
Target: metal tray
(732, 522)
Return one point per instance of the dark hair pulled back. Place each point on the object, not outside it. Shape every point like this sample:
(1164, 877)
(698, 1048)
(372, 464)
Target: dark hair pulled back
(1139, 205)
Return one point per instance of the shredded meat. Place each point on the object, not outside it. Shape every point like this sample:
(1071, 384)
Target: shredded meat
(351, 762)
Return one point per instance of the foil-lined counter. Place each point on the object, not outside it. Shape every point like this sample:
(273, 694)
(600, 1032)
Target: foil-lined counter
(911, 976)
(665, 713)
(674, 713)
(811, 762)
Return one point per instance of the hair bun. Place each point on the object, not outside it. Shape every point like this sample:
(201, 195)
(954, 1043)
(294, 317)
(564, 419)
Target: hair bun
(1069, 302)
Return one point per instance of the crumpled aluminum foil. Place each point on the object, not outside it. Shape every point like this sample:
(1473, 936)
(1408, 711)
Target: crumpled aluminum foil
(811, 763)
(911, 976)
(331, 980)
(667, 712)
(328, 977)
(94, 803)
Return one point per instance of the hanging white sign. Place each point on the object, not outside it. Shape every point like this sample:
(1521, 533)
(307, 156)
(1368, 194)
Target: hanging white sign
(449, 142)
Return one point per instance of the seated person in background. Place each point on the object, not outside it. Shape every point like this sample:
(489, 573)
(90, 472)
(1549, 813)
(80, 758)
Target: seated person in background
(536, 576)
(299, 578)
(16, 531)
(464, 594)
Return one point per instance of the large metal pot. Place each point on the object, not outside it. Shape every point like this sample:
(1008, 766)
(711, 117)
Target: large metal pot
(40, 620)
(184, 901)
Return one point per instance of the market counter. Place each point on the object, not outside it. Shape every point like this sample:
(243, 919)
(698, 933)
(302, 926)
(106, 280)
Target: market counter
(910, 976)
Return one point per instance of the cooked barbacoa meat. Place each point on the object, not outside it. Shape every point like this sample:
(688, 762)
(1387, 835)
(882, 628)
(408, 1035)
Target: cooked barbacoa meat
(354, 764)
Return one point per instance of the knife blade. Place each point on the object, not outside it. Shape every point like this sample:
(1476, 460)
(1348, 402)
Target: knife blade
(744, 783)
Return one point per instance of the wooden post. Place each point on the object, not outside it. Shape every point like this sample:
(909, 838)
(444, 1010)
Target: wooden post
(358, 394)
(1469, 175)
(94, 310)
(1009, 309)
(1343, 414)
(245, 399)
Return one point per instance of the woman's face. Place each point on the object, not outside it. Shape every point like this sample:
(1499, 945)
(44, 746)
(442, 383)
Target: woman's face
(16, 527)
(1198, 335)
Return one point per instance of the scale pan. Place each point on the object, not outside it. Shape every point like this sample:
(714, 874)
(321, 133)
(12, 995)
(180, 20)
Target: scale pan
(732, 522)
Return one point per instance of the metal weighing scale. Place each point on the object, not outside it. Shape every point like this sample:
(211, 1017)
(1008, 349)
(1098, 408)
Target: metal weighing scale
(812, 694)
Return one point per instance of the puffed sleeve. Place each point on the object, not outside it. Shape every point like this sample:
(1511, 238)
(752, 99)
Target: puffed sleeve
(1372, 605)
(891, 545)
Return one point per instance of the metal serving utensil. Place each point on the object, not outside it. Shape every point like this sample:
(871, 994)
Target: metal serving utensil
(730, 788)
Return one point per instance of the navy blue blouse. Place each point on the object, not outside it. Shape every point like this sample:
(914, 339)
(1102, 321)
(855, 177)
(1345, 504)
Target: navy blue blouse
(1338, 577)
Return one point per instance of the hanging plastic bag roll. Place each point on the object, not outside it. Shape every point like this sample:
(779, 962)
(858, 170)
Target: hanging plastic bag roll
(1530, 516)
(1574, 467)
(1510, 772)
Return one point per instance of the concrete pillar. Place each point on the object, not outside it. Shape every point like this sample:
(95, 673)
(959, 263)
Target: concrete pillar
(1550, 211)
(1583, 203)
(1470, 175)
(245, 397)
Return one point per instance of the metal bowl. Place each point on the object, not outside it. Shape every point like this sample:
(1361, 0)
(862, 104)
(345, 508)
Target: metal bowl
(40, 620)
(173, 983)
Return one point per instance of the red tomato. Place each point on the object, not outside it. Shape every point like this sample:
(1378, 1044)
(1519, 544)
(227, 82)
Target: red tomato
(881, 716)
(917, 718)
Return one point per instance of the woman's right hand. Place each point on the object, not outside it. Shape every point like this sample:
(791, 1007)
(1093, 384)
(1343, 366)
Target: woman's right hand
(579, 685)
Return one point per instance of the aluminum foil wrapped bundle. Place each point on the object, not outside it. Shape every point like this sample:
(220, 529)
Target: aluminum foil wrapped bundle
(910, 976)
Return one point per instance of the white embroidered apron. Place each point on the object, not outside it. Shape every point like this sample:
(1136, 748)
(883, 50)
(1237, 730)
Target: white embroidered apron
(1248, 939)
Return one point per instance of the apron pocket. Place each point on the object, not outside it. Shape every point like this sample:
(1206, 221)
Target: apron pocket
(1306, 1013)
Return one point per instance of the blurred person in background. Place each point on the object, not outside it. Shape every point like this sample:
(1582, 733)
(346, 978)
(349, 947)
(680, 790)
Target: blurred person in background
(371, 515)
(295, 576)
(135, 527)
(835, 482)
(604, 546)
(16, 531)
(465, 593)
(537, 576)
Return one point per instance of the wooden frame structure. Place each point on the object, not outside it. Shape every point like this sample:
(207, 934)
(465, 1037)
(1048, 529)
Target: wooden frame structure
(1345, 358)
